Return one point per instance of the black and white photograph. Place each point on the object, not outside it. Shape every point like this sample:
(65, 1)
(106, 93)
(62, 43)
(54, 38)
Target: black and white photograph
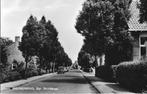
(73, 47)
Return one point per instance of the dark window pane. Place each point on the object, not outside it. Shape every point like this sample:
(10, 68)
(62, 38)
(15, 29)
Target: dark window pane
(143, 39)
(143, 51)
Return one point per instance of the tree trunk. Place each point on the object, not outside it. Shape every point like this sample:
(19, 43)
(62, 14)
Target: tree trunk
(96, 65)
(27, 59)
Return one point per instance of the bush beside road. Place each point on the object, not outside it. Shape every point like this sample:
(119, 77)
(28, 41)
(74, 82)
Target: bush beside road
(104, 86)
(130, 75)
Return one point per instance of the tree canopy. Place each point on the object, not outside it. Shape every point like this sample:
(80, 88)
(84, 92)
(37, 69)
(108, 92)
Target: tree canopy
(3, 44)
(143, 11)
(103, 23)
(40, 38)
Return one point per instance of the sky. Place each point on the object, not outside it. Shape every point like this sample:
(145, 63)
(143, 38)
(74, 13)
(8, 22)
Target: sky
(62, 13)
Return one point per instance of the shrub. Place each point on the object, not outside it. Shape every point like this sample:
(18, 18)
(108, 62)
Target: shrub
(13, 75)
(31, 73)
(114, 68)
(41, 71)
(3, 77)
(132, 75)
(104, 72)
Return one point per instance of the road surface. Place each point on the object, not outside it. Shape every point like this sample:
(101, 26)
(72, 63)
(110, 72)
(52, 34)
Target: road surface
(69, 82)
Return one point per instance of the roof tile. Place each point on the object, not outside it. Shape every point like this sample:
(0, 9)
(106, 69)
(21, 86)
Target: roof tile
(134, 24)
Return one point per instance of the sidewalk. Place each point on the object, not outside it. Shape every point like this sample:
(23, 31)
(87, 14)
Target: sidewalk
(7, 85)
(103, 86)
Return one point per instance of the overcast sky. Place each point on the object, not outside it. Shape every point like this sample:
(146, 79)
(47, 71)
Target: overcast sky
(62, 13)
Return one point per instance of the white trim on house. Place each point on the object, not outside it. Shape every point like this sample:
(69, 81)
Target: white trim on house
(142, 45)
(138, 30)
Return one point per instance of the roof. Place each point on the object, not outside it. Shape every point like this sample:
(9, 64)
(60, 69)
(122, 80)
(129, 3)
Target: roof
(134, 24)
(13, 53)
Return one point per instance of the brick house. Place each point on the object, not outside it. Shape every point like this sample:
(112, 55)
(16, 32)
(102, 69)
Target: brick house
(14, 55)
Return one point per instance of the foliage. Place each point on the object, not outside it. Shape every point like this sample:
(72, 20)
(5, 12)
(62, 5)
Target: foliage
(143, 11)
(103, 23)
(3, 73)
(40, 38)
(84, 59)
(14, 75)
(132, 75)
(75, 65)
(118, 53)
(95, 24)
(105, 72)
(3, 44)
(121, 50)
(31, 73)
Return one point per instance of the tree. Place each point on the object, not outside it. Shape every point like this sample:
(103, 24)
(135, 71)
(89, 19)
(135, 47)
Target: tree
(3, 56)
(103, 23)
(41, 39)
(143, 11)
(32, 39)
(84, 59)
(95, 24)
(121, 49)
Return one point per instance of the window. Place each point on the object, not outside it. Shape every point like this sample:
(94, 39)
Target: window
(143, 49)
(143, 40)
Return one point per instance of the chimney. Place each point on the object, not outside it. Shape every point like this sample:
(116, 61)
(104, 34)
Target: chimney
(17, 39)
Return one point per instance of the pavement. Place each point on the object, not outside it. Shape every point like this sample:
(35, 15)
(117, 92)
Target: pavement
(8, 85)
(103, 86)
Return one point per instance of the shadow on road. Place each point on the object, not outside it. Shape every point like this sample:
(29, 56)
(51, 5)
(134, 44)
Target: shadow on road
(63, 78)
(69, 77)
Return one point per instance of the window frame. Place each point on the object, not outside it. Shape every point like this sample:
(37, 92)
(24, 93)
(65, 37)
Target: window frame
(142, 45)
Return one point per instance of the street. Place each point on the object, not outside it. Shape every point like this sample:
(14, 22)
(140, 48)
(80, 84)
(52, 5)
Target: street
(69, 82)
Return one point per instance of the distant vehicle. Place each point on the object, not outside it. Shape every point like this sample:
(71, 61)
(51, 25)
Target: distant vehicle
(61, 70)
(88, 70)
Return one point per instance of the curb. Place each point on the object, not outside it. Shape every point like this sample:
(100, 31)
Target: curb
(105, 89)
(17, 83)
(91, 84)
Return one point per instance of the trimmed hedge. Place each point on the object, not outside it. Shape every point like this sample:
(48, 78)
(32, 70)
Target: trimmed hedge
(14, 75)
(10, 76)
(132, 75)
(105, 72)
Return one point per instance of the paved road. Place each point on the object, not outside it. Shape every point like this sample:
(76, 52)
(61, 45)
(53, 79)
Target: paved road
(70, 82)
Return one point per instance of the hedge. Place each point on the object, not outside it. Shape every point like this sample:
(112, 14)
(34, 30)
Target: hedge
(132, 75)
(31, 73)
(14, 75)
(3, 77)
(105, 72)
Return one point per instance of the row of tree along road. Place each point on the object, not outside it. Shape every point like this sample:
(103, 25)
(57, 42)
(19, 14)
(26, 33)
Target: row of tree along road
(41, 39)
(40, 43)
(104, 26)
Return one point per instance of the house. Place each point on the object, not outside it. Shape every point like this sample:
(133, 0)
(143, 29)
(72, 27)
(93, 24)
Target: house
(139, 32)
(14, 55)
